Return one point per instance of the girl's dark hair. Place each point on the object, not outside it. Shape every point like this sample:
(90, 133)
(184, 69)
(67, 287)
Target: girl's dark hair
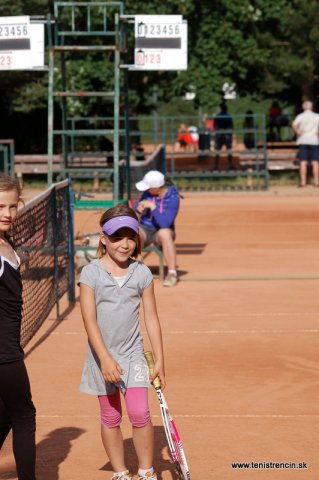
(6, 185)
(119, 211)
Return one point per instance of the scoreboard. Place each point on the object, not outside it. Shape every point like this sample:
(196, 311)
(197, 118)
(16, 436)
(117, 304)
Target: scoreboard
(21, 43)
(160, 42)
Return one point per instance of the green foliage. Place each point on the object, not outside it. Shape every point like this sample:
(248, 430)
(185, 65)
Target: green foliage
(269, 49)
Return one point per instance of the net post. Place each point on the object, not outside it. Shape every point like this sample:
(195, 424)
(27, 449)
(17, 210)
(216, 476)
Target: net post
(71, 268)
(55, 253)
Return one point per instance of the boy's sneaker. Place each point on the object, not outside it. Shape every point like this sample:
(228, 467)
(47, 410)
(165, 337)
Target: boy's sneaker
(148, 476)
(122, 476)
(170, 280)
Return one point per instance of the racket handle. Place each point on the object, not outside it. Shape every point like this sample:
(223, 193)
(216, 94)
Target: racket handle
(150, 362)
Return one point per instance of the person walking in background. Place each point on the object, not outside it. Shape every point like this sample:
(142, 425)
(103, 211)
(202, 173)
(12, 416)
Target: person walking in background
(250, 141)
(306, 128)
(224, 123)
(158, 207)
(17, 412)
(111, 290)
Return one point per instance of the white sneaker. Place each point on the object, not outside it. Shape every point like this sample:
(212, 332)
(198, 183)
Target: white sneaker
(122, 476)
(170, 280)
(148, 476)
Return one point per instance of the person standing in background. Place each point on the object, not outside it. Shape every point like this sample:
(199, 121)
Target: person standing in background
(226, 137)
(274, 116)
(306, 128)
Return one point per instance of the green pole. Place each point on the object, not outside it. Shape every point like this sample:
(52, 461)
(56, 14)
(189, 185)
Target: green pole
(65, 146)
(50, 106)
(5, 160)
(70, 220)
(12, 153)
(127, 137)
(116, 112)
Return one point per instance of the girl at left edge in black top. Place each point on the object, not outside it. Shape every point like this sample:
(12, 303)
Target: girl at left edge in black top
(17, 412)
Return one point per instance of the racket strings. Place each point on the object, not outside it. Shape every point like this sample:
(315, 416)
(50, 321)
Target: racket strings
(173, 440)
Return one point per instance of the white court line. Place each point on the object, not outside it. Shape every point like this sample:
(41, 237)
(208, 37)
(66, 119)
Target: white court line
(281, 224)
(235, 332)
(217, 332)
(262, 314)
(199, 416)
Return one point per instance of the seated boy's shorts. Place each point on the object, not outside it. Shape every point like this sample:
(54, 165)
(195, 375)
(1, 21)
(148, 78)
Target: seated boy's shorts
(308, 153)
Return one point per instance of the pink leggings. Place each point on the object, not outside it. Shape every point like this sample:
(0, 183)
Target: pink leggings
(136, 401)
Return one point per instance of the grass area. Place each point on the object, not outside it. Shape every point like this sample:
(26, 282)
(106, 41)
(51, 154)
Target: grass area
(165, 120)
(40, 182)
(208, 184)
(284, 178)
(276, 179)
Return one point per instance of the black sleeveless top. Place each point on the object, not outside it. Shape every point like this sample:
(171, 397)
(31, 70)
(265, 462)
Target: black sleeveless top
(10, 312)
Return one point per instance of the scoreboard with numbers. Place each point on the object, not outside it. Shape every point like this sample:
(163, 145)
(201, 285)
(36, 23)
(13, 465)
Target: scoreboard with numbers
(160, 42)
(21, 44)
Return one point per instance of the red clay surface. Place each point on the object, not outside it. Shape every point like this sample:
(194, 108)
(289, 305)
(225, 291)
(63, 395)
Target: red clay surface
(241, 340)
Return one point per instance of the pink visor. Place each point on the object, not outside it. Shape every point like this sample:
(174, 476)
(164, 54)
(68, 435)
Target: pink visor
(111, 226)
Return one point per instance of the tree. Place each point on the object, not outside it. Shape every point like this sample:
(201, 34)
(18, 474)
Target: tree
(301, 47)
(267, 48)
(23, 95)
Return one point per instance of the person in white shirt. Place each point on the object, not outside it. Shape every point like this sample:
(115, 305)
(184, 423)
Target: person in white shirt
(306, 127)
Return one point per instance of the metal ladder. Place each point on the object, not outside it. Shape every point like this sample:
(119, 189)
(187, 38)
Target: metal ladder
(78, 29)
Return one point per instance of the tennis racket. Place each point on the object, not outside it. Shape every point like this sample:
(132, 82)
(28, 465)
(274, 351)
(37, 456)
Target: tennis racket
(173, 439)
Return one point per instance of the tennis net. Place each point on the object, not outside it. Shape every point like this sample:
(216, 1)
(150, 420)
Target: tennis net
(43, 237)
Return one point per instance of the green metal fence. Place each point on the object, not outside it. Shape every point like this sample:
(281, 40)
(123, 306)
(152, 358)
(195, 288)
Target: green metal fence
(244, 165)
(200, 162)
(7, 156)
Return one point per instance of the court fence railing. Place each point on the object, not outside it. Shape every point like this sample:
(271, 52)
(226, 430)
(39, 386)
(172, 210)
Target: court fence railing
(43, 237)
(7, 156)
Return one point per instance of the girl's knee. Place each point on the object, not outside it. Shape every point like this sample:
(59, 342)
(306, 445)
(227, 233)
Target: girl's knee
(110, 410)
(137, 407)
(111, 419)
(139, 418)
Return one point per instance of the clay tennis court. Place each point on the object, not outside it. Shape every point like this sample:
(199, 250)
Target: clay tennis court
(241, 339)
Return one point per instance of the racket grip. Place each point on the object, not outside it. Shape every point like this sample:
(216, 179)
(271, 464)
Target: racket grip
(150, 362)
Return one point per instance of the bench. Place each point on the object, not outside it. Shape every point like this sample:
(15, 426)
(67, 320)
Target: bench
(84, 165)
(35, 164)
(80, 165)
(277, 161)
(280, 156)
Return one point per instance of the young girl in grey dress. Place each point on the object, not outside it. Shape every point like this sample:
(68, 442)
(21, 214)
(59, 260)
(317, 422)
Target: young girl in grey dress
(111, 290)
